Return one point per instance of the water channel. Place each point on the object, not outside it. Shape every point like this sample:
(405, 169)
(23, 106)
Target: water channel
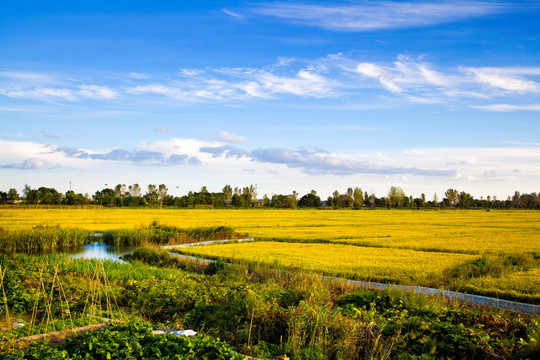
(96, 251)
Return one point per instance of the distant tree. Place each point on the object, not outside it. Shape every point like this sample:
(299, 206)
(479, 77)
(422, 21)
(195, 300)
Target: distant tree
(26, 190)
(283, 201)
(12, 195)
(70, 198)
(516, 200)
(120, 190)
(105, 197)
(466, 200)
(162, 194)
(358, 198)
(452, 197)
(266, 200)
(134, 190)
(344, 201)
(227, 194)
(435, 200)
(49, 196)
(293, 199)
(3, 198)
(310, 200)
(238, 201)
(372, 200)
(151, 195)
(397, 196)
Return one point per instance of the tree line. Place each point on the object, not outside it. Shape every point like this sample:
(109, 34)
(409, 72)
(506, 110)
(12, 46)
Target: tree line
(246, 197)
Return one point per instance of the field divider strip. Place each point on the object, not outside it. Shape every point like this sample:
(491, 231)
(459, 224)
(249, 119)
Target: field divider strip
(470, 298)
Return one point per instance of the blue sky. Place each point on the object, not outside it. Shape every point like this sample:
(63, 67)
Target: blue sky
(287, 95)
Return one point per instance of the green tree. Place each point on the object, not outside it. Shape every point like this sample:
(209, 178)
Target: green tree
(310, 200)
(134, 190)
(105, 197)
(70, 198)
(12, 195)
(452, 197)
(151, 195)
(358, 198)
(227, 194)
(162, 194)
(396, 196)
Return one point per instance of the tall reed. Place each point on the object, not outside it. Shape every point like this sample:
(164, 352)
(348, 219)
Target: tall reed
(40, 238)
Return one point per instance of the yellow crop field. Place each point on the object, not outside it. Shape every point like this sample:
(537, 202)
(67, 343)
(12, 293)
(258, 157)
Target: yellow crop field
(467, 231)
(402, 246)
(378, 264)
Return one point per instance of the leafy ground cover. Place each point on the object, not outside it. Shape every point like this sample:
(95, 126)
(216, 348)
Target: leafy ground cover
(133, 340)
(261, 310)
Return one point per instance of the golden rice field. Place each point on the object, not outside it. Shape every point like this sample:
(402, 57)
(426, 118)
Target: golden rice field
(466, 231)
(403, 246)
(378, 264)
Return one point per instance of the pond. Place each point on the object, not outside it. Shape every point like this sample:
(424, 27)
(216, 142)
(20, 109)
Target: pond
(100, 251)
(95, 251)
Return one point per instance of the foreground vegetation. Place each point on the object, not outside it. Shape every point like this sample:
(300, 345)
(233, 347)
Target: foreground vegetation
(261, 311)
(133, 340)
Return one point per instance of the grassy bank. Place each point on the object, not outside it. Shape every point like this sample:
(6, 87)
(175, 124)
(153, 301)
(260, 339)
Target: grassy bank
(41, 238)
(266, 311)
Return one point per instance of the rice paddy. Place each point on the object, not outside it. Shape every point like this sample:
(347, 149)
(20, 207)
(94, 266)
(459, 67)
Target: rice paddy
(399, 246)
(379, 264)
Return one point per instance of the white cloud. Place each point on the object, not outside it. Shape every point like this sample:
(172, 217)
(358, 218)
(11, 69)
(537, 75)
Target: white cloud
(354, 82)
(502, 79)
(372, 16)
(240, 84)
(232, 14)
(508, 107)
(138, 76)
(230, 138)
(29, 164)
(41, 94)
(96, 92)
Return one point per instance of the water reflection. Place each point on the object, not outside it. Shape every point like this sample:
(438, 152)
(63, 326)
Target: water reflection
(100, 251)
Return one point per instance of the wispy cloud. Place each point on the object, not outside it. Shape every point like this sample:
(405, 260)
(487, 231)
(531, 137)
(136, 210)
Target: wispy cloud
(508, 107)
(61, 94)
(140, 157)
(231, 138)
(96, 92)
(29, 164)
(233, 14)
(354, 82)
(13, 134)
(377, 15)
(226, 84)
(320, 162)
(138, 76)
(503, 79)
(226, 151)
(164, 130)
